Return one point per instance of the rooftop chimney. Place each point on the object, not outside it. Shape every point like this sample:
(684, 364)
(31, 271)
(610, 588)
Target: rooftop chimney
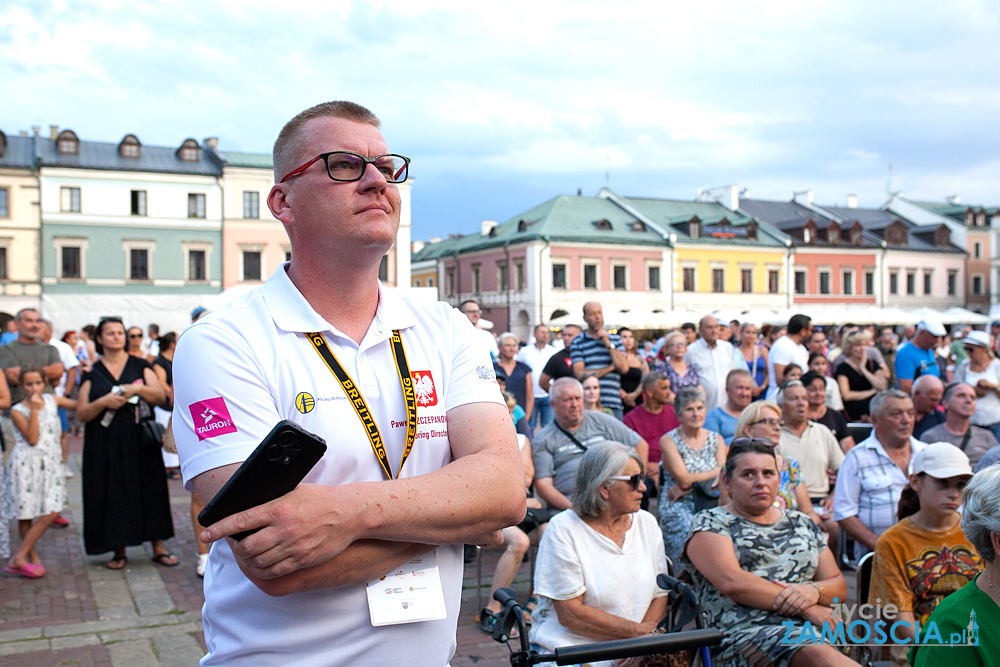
(417, 246)
(36, 129)
(435, 239)
(734, 198)
(953, 199)
(486, 226)
(807, 195)
(211, 142)
(852, 201)
(53, 132)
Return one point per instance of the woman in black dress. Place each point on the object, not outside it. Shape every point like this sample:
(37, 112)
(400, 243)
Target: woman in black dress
(125, 499)
(637, 367)
(859, 377)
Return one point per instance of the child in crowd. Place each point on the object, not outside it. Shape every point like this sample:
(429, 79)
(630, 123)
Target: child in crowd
(36, 484)
(792, 372)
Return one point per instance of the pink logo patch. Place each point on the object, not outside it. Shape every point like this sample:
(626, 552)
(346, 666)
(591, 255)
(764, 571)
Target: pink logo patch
(211, 418)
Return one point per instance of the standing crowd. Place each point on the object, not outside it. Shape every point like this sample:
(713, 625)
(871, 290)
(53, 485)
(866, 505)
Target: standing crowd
(764, 454)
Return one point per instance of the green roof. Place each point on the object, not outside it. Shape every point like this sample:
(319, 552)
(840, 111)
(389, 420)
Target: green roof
(600, 219)
(253, 160)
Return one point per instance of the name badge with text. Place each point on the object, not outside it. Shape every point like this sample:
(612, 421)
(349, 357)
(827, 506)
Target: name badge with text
(409, 594)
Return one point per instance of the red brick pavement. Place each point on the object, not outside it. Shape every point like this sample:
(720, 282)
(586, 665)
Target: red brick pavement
(81, 656)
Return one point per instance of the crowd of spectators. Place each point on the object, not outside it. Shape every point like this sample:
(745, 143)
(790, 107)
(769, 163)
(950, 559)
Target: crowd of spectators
(867, 440)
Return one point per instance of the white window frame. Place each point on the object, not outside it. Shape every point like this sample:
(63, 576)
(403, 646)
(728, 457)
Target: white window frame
(847, 282)
(66, 206)
(204, 205)
(256, 204)
(563, 262)
(623, 264)
(128, 245)
(805, 281)
(750, 268)
(5, 243)
(869, 272)
(253, 247)
(5, 210)
(777, 270)
(142, 201)
(982, 282)
(60, 242)
(928, 280)
(204, 246)
(717, 266)
(596, 263)
(693, 265)
(659, 276)
(477, 278)
(503, 266)
(520, 281)
(828, 271)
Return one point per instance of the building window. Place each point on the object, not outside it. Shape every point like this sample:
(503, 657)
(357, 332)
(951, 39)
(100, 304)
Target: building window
(977, 285)
(718, 280)
(67, 143)
(70, 261)
(911, 282)
(251, 204)
(138, 260)
(138, 202)
(590, 276)
(196, 205)
(288, 255)
(746, 281)
(416, 282)
(559, 276)
(4, 205)
(773, 281)
(69, 199)
(251, 265)
(476, 278)
(503, 276)
(196, 266)
(869, 283)
(824, 282)
(977, 251)
(3, 263)
(928, 274)
(519, 277)
(848, 282)
(430, 282)
(800, 282)
(619, 276)
(653, 277)
(383, 268)
(451, 281)
(189, 151)
(894, 282)
(687, 277)
(952, 283)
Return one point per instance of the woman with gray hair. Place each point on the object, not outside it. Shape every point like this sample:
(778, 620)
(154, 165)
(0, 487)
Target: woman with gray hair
(975, 608)
(692, 459)
(595, 576)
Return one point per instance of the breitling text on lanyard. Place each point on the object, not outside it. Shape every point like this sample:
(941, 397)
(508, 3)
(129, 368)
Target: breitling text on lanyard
(361, 408)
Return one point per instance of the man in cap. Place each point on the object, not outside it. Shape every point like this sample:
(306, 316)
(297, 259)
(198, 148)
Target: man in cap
(918, 358)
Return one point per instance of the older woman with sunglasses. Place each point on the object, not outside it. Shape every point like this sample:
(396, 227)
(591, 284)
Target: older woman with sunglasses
(595, 576)
(762, 420)
(757, 566)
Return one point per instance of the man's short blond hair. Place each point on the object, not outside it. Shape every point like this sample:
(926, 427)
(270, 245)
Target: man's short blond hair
(287, 143)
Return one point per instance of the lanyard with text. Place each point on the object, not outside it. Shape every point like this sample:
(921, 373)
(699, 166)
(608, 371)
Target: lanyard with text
(358, 401)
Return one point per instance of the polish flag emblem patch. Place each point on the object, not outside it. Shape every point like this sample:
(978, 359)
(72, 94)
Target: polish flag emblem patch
(423, 387)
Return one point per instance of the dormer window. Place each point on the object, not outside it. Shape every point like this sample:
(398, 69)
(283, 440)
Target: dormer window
(3, 143)
(809, 231)
(970, 218)
(637, 226)
(856, 234)
(896, 234)
(981, 219)
(603, 225)
(129, 147)
(67, 143)
(833, 234)
(522, 225)
(942, 236)
(752, 230)
(694, 228)
(189, 151)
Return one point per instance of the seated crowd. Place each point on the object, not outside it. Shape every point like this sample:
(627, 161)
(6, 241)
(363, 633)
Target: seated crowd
(858, 437)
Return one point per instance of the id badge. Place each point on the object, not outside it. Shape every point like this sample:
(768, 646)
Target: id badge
(409, 594)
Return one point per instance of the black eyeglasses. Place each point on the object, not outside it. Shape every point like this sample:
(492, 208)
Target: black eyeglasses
(747, 442)
(345, 167)
(634, 480)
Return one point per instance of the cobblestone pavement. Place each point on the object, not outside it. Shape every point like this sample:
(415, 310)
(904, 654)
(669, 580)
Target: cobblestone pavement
(83, 614)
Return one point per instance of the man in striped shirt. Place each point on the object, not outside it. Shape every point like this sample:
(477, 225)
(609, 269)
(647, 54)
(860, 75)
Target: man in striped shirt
(601, 353)
(875, 471)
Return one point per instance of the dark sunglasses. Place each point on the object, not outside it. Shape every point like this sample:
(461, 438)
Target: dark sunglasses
(634, 480)
(747, 442)
(135, 335)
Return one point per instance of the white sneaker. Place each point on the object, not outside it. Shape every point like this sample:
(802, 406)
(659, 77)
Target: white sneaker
(69, 471)
(202, 564)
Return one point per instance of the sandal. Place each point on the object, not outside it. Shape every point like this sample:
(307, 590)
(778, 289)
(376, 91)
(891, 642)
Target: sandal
(116, 563)
(161, 559)
(27, 571)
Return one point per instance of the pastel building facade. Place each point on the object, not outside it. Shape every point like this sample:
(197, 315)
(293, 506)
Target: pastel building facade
(20, 225)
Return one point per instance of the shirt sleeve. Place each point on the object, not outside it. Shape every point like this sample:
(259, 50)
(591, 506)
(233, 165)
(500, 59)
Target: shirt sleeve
(833, 447)
(217, 379)
(542, 457)
(888, 575)
(906, 364)
(471, 379)
(847, 490)
(622, 433)
(712, 421)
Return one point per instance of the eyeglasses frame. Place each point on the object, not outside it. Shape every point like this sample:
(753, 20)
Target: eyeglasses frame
(298, 171)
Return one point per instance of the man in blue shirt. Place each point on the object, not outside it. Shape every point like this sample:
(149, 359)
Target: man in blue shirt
(917, 358)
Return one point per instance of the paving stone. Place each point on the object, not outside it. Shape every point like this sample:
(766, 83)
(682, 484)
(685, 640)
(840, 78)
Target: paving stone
(138, 653)
(30, 646)
(73, 641)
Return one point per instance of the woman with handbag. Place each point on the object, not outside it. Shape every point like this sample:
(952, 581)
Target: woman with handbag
(692, 459)
(125, 498)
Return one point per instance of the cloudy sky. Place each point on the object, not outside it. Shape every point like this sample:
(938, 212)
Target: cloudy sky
(504, 105)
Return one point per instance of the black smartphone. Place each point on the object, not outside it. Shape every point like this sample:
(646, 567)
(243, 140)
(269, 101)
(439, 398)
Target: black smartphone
(276, 467)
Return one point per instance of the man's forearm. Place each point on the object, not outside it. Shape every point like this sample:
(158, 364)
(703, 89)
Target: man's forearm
(363, 561)
(859, 531)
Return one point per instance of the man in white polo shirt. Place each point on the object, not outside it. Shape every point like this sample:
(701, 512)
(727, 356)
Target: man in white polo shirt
(310, 586)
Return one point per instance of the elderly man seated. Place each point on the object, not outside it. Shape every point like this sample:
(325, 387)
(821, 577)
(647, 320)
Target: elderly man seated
(875, 471)
(739, 392)
(810, 443)
(959, 404)
(558, 447)
(926, 394)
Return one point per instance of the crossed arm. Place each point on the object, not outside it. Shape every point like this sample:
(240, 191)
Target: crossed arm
(321, 536)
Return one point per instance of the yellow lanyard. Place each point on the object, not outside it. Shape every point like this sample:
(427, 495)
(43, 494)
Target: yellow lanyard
(358, 401)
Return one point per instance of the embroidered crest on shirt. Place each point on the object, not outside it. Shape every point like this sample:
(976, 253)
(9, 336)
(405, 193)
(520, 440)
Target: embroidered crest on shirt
(211, 418)
(423, 387)
(486, 372)
(305, 402)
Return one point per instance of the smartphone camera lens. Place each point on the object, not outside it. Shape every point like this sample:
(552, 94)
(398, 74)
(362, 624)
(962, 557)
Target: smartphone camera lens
(273, 453)
(286, 439)
(286, 460)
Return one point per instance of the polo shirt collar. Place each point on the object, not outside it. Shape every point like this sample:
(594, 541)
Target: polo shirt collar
(291, 312)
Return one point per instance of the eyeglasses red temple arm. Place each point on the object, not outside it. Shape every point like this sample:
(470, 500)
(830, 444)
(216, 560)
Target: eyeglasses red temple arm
(299, 170)
(395, 176)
